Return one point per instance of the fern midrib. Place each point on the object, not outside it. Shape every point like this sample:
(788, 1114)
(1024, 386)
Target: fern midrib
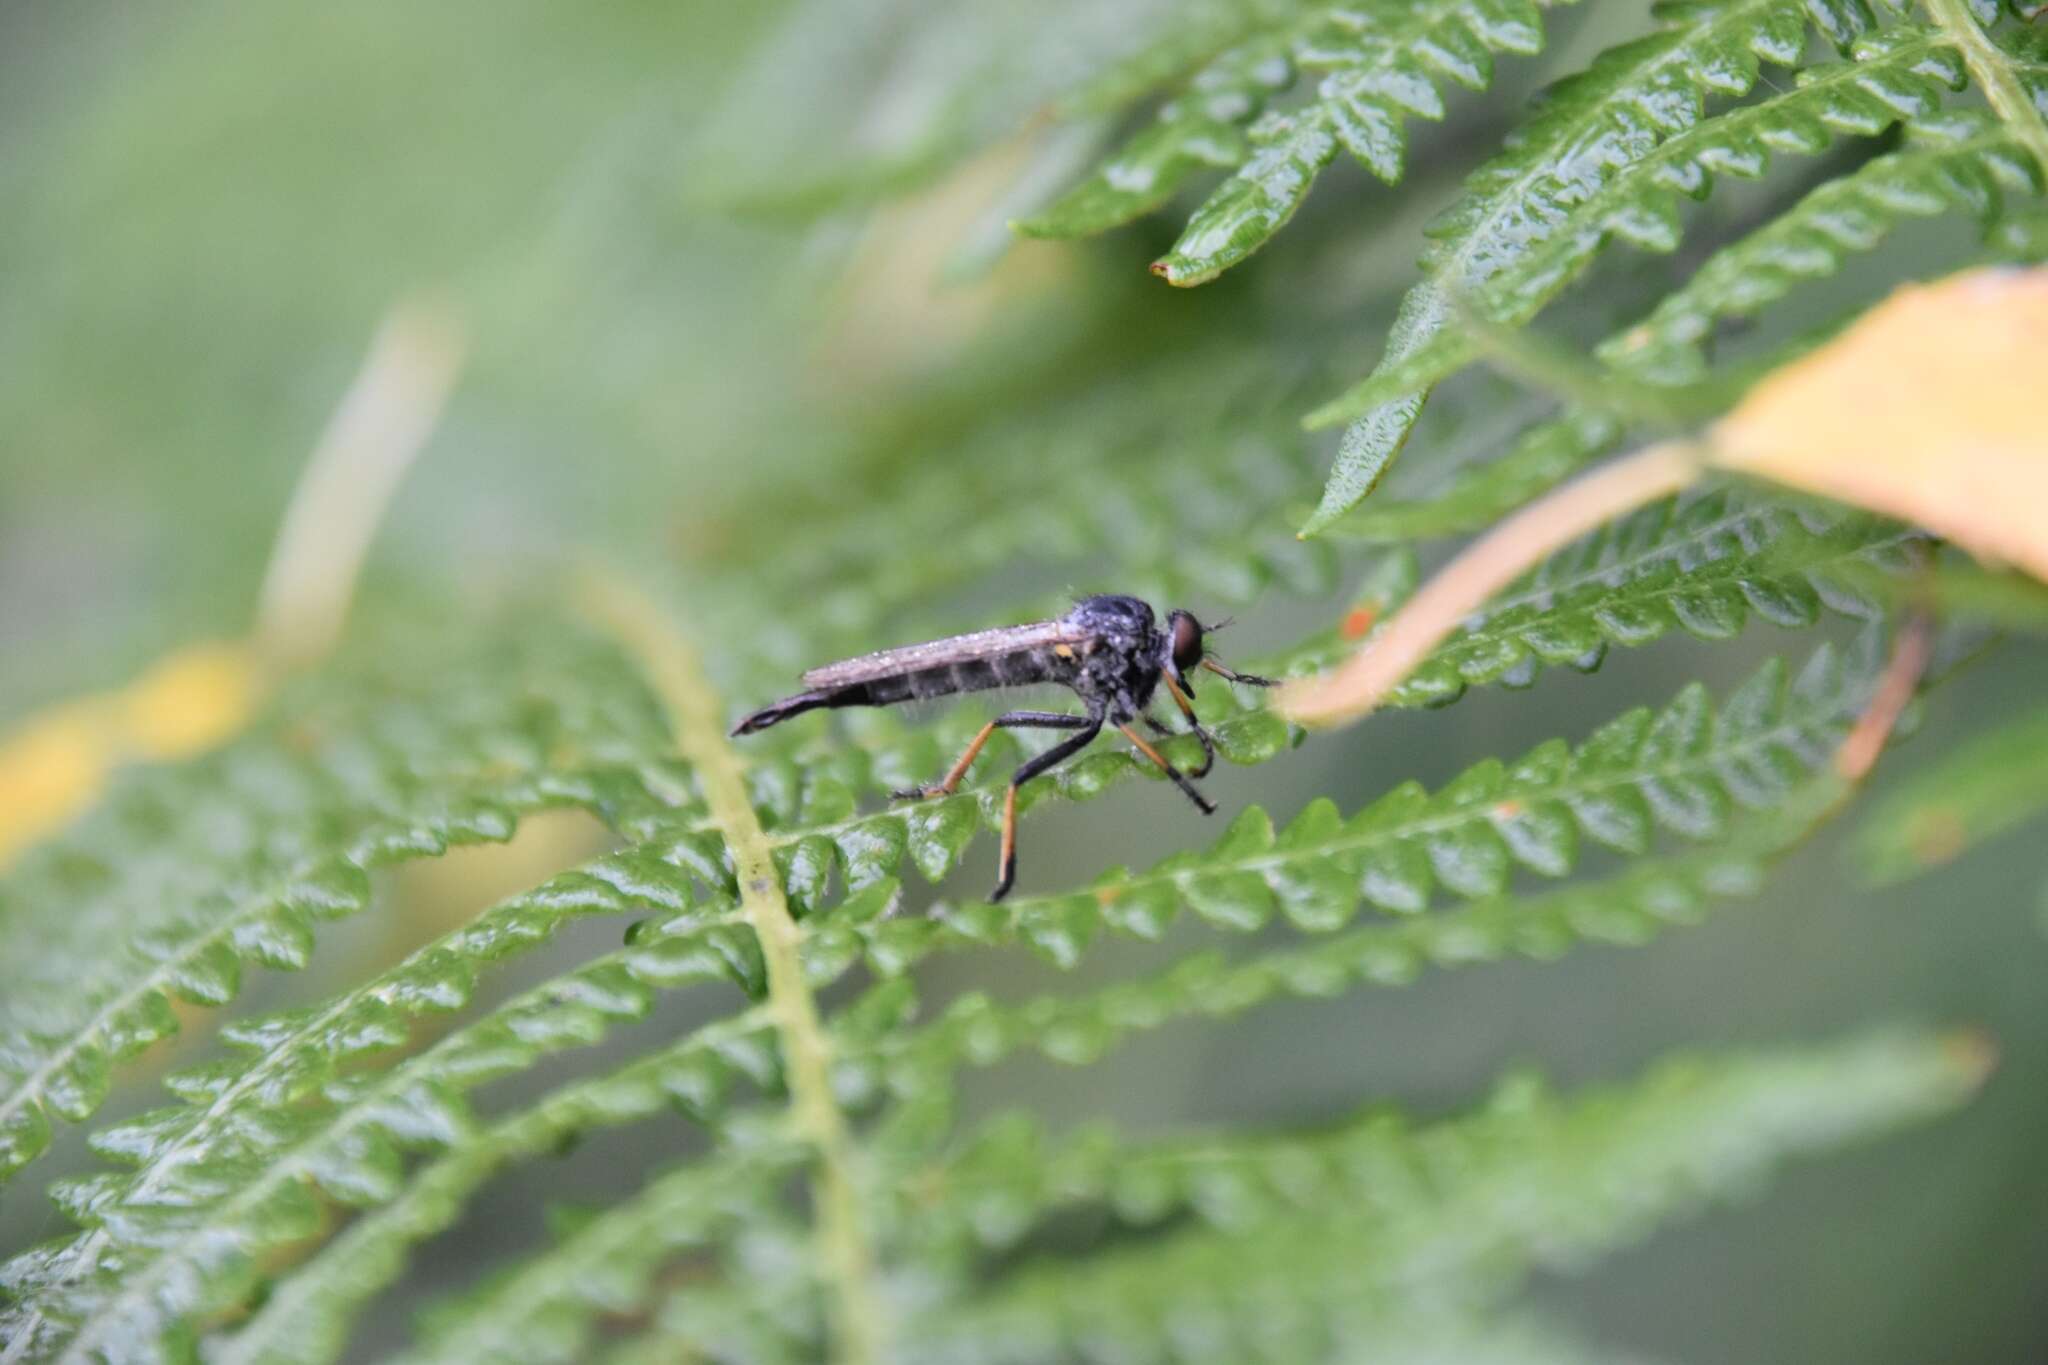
(1994, 72)
(846, 1246)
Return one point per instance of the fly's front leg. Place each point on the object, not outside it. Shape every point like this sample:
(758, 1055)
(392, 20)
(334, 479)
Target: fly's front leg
(1038, 720)
(1180, 779)
(1187, 708)
(1031, 767)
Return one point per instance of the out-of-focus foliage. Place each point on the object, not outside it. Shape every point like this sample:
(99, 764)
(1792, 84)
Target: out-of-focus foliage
(831, 1113)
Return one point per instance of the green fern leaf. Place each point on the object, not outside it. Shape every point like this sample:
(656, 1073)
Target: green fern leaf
(1898, 73)
(227, 1177)
(1629, 102)
(1960, 161)
(1702, 563)
(1386, 63)
(295, 817)
(1469, 1207)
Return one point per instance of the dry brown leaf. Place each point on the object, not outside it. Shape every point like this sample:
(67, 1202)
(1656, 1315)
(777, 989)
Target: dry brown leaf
(1932, 408)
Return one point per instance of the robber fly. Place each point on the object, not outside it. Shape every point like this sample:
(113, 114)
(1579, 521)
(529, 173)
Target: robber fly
(1109, 650)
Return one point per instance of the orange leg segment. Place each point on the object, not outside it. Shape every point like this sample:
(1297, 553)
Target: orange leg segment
(1187, 708)
(951, 782)
(1008, 874)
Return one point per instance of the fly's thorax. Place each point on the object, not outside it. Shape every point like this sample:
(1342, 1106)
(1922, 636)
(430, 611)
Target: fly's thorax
(1113, 614)
(1117, 665)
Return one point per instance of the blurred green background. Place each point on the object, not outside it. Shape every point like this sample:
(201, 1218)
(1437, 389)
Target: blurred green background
(715, 263)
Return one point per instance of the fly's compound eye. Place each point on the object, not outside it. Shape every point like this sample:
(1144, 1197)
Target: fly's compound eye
(1187, 642)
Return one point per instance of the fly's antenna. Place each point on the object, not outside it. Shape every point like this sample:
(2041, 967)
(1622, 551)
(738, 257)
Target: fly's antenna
(1214, 626)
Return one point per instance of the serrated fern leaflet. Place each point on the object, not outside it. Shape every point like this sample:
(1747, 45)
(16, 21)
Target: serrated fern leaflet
(1386, 63)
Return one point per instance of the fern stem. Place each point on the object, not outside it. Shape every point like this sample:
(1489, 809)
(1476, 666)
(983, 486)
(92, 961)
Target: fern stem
(383, 422)
(673, 670)
(1992, 71)
(1895, 688)
(1356, 686)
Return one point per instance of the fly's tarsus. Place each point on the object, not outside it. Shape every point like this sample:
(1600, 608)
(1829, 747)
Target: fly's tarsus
(1232, 675)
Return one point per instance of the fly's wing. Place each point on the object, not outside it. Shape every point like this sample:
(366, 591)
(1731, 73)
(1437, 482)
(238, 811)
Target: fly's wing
(955, 649)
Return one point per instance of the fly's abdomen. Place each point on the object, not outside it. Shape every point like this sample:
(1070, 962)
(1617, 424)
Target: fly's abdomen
(1019, 669)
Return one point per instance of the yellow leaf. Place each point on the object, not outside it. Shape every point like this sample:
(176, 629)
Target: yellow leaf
(55, 763)
(1931, 408)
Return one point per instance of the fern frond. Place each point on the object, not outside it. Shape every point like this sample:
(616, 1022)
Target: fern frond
(1469, 1209)
(551, 1310)
(1078, 1030)
(218, 1187)
(999, 1183)
(294, 817)
(1895, 74)
(1993, 783)
(1703, 563)
(308, 1312)
(1962, 160)
(2008, 69)
(1630, 101)
(1386, 63)
(231, 1175)
(1630, 908)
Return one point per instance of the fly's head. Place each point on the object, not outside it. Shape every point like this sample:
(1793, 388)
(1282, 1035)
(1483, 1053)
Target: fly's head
(1184, 650)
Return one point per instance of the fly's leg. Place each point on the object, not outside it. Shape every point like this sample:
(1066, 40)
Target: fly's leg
(1248, 679)
(1031, 767)
(1187, 708)
(1196, 729)
(1038, 720)
(1180, 779)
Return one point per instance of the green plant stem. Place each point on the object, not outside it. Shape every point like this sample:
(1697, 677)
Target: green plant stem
(1992, 71)
(673, 670)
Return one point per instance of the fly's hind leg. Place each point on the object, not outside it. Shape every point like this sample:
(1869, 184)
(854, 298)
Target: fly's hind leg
(1037, 720)
(1031, 767)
